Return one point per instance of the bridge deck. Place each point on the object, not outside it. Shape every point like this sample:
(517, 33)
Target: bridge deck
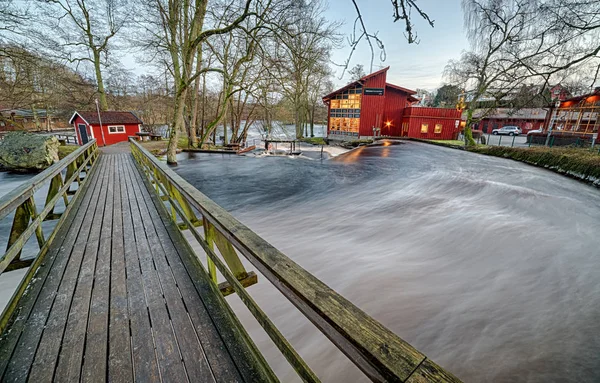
(119, 298)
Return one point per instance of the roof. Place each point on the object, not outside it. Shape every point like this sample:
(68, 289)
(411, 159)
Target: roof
(360, 81)
(405, 90)
(91, 117)
(572, 100)
(25, 112)
(510, 113)
(364, 79)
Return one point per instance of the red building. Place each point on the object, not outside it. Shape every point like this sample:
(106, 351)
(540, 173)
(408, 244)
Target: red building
(372, 107)
(527, 119)
(116, 126)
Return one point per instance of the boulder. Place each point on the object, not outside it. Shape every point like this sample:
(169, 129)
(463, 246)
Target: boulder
(26, 152)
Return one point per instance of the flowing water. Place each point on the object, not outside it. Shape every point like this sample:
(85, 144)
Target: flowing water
(488, 266)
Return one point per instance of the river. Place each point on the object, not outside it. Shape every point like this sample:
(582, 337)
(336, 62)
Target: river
(488, 266)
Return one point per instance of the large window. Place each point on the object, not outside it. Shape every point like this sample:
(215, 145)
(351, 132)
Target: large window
(344, 124)
(116, 129)
(345, 110)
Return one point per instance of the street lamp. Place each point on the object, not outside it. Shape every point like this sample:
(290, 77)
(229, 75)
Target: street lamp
(100, 120)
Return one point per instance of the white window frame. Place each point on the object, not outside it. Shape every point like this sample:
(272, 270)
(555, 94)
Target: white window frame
(116, 126)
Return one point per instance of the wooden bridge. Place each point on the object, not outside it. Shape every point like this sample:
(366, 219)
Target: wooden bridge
(117, 293)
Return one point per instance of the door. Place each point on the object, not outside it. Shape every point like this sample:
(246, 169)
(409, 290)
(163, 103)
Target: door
(83, 134)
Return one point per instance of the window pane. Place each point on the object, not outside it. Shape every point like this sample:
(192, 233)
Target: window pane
(424, 128)
(438, 128)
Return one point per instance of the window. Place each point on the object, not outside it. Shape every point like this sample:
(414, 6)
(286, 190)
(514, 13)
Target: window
(405, 126)
(116, 129)
(424, 128)
(438, 129)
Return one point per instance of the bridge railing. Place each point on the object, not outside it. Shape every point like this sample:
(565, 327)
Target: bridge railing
(377, 351)
(60, 179)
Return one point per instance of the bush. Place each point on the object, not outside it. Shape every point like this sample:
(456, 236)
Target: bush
(356, 143)
(581, 163)
(314, 140)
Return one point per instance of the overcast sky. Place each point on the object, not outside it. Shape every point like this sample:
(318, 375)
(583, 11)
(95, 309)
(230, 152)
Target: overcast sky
(411, 66)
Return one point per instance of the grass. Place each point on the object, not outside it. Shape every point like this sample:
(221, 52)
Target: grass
(581, 163)
(158, 147)
(450, 142)
(314, 140)
(355, 143)
(65, 150)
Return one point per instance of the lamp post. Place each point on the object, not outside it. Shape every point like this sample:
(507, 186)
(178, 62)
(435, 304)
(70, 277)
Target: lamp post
(100, 120)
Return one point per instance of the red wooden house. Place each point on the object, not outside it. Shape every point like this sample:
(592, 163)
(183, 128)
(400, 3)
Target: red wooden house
(372, 107)
(110, 128)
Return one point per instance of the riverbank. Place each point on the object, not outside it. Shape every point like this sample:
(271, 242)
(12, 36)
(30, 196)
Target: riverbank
(581, 164)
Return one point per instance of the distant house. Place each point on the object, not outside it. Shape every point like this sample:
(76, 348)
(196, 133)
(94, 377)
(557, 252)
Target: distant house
(116, 126)
(28, 119)
(527, 119)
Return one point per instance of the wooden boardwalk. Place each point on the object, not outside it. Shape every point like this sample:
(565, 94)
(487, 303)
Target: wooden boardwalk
(120, 298)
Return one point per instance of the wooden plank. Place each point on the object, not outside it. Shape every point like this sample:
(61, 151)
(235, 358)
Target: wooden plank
(96, 340)
(429, 372)
(167, 350)
(72, 348)
(145, 363)
(206, 306)
(120, 365)
(193, 356)
(20, 345)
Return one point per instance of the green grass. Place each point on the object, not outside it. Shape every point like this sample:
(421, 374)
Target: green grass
(314, 140)
(582, 163)
(449, 142)
(65, 150)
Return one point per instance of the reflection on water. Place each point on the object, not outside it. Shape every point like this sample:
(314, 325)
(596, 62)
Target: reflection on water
(488, 266)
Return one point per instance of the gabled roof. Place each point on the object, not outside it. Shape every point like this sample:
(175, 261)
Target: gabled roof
(91, 118)
(405, 90)
(361, 81)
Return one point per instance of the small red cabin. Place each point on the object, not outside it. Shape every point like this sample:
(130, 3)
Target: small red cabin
(372, 107)
(116, 126)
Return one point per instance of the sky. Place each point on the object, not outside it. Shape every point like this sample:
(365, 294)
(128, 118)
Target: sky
(411, 65)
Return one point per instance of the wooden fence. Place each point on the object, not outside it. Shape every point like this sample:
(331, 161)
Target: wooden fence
(377, 351)
(60, 179)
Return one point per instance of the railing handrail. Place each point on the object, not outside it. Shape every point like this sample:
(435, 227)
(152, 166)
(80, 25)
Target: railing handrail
(376, 350)
(17, 196)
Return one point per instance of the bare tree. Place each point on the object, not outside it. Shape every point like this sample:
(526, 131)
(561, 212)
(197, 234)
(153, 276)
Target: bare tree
(80, 32)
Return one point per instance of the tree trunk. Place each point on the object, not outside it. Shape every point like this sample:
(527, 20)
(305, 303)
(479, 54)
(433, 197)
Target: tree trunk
(178, 126)
(312, 121)
(469, 141)
(101, 91)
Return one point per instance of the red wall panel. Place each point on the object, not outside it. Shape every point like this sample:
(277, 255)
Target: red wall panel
(432, 116)
(395, 103)
(371, 109)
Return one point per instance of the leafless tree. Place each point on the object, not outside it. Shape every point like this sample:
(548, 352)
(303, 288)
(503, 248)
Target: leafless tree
(79, 32)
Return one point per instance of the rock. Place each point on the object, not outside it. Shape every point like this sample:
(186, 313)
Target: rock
(26, 152)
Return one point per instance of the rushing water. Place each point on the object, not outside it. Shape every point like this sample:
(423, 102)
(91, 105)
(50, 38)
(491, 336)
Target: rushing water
(488, 266)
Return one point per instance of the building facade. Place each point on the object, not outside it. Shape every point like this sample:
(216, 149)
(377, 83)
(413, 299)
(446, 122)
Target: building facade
(577, 115)
(527, 119)
(371, 107)
(110, 128)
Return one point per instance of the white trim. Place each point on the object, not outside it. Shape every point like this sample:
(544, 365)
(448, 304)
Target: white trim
(116, 126)
(73, 118)
(92, 131)
(140, 128)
